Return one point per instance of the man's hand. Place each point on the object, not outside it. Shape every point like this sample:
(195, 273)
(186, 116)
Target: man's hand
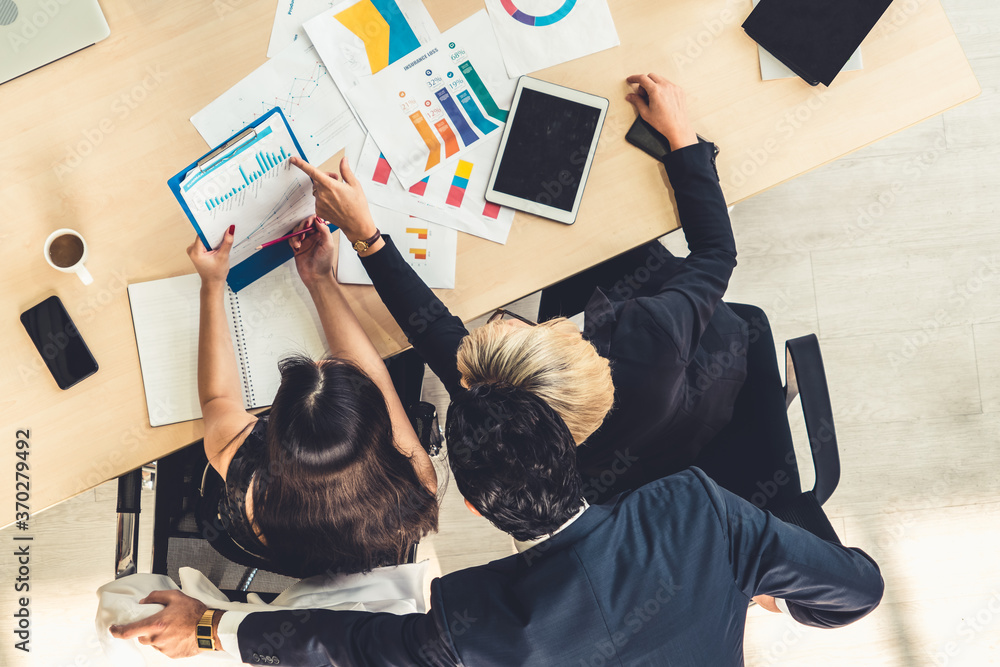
(767, 602)
(313, 254)
(662, 105)
(171, 631)
(212, 265)
(340, 200)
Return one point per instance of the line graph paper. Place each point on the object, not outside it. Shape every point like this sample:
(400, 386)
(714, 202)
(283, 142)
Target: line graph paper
(300, 92)
(297, 81)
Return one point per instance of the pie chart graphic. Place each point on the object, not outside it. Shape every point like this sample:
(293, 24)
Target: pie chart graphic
(548, 19)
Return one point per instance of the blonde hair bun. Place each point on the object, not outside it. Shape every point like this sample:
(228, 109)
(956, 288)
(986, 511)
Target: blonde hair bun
(551, 360)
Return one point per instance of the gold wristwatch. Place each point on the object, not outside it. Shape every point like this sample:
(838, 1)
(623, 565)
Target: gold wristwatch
(206, 641)
(362, 246)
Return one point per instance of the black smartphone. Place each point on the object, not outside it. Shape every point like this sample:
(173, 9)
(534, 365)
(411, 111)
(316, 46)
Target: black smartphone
(59, 342)
(643, 136)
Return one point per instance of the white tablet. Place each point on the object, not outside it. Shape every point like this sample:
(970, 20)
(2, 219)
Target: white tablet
(546, 150)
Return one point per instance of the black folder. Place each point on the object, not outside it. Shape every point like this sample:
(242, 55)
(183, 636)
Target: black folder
(813, 38)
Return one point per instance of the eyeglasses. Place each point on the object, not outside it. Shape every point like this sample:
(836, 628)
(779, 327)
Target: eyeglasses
(500, 313)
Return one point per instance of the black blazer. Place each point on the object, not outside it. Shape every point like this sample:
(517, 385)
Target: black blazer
(678, 354)
(660, 576)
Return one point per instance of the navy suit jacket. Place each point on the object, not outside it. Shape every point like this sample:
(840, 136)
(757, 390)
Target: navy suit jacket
(658, 576)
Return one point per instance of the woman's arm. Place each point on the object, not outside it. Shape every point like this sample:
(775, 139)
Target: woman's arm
(348, 340)
(219, 390)
(429, 327)
(686, 302)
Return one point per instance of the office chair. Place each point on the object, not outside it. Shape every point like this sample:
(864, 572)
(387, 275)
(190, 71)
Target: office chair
(753, 456)
(183, 531)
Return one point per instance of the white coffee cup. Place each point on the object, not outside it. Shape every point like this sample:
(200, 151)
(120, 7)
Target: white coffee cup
(73, 249)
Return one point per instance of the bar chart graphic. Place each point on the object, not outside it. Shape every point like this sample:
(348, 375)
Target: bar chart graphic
(475, 115)
(480, 90)
(265, 161)
(468, 135)
(382, 170)
(421, 233)
(427, 200)
(425, 132)
(450, 142)
(459, 183)
(420, 187)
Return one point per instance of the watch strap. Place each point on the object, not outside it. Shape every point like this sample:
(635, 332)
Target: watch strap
(364, 244)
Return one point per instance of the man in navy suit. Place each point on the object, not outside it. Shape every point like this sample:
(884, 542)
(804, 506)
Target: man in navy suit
(657, 576)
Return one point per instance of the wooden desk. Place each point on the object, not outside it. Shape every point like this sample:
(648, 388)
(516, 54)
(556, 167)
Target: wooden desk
(89, 142)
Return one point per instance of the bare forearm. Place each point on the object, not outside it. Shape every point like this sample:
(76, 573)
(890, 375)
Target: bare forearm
(218, 375)
(348, 340)
(344, 333)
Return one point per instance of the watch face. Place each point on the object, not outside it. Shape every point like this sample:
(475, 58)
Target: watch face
(205, 644)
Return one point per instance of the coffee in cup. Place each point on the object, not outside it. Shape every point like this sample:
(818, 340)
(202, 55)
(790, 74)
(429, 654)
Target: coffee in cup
(66, 251)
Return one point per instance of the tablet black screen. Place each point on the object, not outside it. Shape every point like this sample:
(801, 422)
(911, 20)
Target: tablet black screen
(547, 149)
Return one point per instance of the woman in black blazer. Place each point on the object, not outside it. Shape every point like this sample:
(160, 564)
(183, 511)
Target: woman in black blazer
(677, 354)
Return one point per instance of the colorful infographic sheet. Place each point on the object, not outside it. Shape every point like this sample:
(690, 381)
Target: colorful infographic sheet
(438, 102)
(358, 38)
(288, 19)
(253, 186)
(535, 34)
(297, 81)
(452, 196)
(430, 249)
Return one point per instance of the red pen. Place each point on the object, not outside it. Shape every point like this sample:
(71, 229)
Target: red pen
(303, 233)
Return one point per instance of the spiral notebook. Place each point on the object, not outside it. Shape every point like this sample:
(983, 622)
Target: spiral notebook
(270, 319)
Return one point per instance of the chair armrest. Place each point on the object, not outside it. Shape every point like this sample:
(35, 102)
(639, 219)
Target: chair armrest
(127, 537)
(806, 378)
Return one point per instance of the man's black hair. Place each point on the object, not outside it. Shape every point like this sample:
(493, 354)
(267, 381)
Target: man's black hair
(514, 459)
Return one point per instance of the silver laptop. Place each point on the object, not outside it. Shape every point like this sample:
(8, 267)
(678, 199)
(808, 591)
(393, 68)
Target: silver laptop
(36, 32)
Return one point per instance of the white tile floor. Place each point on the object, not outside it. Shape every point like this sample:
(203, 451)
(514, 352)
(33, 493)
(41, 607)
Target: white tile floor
(892, 256)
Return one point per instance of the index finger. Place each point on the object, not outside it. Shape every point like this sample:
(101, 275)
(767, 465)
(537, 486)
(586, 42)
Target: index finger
(312, 172)
(643, 80)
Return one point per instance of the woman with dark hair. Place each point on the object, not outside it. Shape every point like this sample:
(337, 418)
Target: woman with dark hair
(334, 480)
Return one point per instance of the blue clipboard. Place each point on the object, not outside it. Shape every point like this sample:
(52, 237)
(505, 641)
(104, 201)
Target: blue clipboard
(265, 260)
